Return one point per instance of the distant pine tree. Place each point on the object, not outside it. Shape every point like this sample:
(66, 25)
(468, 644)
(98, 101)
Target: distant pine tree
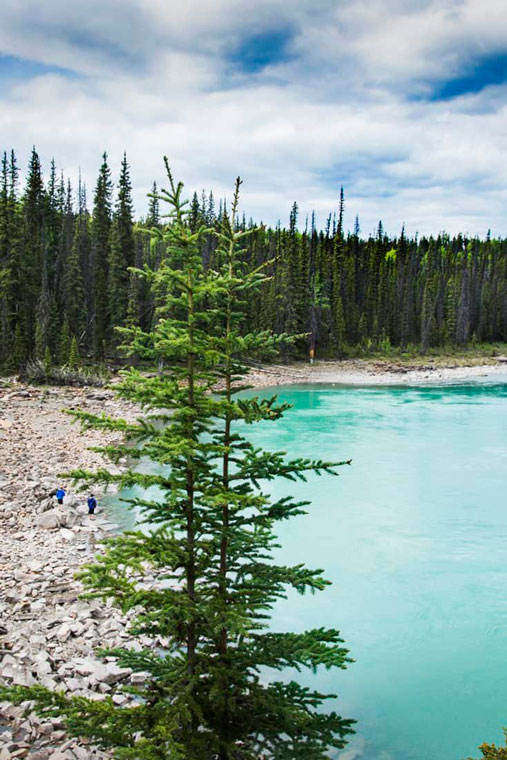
(73, 360)
(73, 279)
(153, 218)
(100, 234)
(48, 361)
(121, 252)
(64, 348)
(31, 261)
(5, 262)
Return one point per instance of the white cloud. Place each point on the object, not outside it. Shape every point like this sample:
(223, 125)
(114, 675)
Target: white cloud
(154, 79)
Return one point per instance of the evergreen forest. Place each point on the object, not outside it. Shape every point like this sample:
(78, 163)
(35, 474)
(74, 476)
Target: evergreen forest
(66, 279)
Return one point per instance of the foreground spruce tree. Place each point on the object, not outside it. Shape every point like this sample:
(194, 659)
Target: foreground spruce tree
(209, 694)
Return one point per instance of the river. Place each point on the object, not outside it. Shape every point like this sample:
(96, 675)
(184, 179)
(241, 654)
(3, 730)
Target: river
(414, 538)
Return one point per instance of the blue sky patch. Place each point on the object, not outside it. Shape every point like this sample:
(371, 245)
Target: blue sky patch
(490, 70)
(14, 69)
(256, 52)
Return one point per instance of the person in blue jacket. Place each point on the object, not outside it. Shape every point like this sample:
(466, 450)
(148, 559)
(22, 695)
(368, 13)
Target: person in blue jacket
(59, 495)
(92, 504)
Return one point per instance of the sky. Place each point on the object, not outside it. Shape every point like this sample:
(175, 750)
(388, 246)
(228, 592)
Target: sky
(403, 102)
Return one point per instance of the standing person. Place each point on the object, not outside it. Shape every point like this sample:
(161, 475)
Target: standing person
(59, 495)
(92, 503)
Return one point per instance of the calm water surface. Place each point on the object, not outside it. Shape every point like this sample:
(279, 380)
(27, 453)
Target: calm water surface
(414, 539)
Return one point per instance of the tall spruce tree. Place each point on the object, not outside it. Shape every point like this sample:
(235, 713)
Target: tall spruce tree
(31, 262)
(208, 695)
(5, 260)
(55, 202)
(73, 278)
(12, 339)
(121, 252)
(101, 228)
(153, 218)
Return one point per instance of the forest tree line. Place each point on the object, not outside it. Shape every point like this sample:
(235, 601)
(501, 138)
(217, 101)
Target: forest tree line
(66, 284)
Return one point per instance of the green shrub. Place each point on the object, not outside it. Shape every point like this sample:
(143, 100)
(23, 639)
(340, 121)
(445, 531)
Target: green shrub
(38, 373)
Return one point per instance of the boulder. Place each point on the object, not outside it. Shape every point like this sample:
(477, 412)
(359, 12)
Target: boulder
(70, 518)
(19, 675)
(49, 520)
(46, 504)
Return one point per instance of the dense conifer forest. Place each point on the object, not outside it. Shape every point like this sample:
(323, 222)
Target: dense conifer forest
(66, 284)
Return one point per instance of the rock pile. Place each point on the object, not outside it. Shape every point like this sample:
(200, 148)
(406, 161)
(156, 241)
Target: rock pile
(26, 735)
(47, 633)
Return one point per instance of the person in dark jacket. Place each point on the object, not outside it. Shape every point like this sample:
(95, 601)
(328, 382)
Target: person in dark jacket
(92, 504)
(59, 495)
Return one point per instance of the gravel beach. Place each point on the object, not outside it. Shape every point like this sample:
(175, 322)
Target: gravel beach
(47, 634)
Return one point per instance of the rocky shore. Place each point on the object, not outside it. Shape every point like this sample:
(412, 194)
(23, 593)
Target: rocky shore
(48, 634)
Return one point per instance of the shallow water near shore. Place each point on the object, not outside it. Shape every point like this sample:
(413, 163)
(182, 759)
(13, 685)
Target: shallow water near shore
(414, 538)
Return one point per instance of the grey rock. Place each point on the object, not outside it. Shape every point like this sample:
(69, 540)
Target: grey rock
(66, 534)
(73, 684)
(19, 675)
(70, 518)
(49, 520)
(139, 678)
(46, 729)
(81, 753)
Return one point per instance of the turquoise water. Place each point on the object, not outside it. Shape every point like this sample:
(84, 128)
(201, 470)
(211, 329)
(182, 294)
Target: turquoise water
(414, 538)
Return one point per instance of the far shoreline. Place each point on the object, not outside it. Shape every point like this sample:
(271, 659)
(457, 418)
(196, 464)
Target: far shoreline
(373, 373)
(437, 370)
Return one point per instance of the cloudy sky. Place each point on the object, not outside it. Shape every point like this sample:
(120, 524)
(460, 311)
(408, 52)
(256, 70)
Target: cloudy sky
(401, 101)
